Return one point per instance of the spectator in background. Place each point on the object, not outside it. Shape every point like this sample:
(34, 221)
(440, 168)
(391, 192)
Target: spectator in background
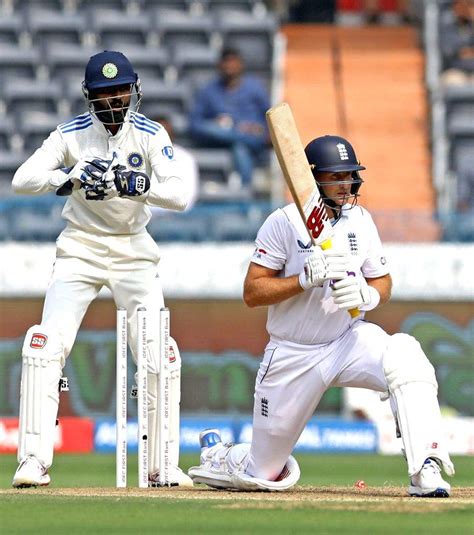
(457, 43)
(230, 112)
(189, 170)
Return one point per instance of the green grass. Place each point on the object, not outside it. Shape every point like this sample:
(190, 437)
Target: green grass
(43, 511)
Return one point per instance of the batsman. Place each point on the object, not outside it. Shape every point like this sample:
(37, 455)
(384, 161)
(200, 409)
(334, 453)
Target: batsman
(112, 163)
(318, 337)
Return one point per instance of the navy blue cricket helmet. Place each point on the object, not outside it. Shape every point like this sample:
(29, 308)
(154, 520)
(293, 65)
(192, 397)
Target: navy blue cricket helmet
(108, 69)
(334, 154)
(105, 70)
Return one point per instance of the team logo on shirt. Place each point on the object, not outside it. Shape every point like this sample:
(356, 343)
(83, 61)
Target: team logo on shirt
(383, 260)
(304, 247)
(168, 151)
(353, 247)
(135, 160)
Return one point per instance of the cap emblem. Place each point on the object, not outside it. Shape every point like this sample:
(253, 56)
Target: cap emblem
(109, 70)
(342, 151)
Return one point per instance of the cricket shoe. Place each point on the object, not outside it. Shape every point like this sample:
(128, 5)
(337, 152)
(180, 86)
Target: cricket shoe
(31, 473)
(428, 483)
(176, 478)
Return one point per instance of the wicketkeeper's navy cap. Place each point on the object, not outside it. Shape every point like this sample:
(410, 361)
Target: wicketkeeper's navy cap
(107, 69)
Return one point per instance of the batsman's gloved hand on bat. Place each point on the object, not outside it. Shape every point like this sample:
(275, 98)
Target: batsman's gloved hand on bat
(353, 292)
(324, 265)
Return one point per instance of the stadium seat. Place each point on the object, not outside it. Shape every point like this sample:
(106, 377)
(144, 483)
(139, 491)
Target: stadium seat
(240, 5)
(54, 26)
(106, 4)
(9, 163)
(67, 60)
(19, 62)
(57, 5)
(10, 28)
(35, 127)
(177, 28)
(183, 5)
(215, 165)
(148, 62)
(115, 28)
(252, 36)
(174, 97)
(22, 94)
(196, 64)
(169, 226)
(73, 95)
(6, 131)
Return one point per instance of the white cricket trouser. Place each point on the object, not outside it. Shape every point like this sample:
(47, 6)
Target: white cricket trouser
(291, 381)
(127, 265)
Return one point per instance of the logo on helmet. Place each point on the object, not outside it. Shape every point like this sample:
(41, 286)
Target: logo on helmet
(109, 70)
(342, 151)
(135, 160)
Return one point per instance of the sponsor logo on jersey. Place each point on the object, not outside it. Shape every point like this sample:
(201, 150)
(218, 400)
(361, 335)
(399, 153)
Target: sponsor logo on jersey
(168, 151)
(304, 247)
(38, 341)
(383, 260)
(109, 70)
(259, 252)
(264, 407)
(353, 246)
(135, 160)
(342, 151)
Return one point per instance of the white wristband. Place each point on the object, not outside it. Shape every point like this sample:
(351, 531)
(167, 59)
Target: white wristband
(371, 298)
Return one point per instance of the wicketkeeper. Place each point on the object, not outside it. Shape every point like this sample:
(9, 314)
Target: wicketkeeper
(315, 344)
(113, 163)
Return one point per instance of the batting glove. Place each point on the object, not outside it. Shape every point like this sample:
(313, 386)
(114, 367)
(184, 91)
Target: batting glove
(322, 266)
(354, 292)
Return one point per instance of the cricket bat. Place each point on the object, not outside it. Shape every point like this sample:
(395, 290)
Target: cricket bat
(299, 178)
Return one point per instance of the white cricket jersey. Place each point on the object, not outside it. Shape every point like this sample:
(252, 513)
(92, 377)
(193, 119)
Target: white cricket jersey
(283, 244)
(141, 144)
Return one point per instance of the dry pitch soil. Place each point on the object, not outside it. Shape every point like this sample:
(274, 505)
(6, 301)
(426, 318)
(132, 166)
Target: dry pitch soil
(393, 499)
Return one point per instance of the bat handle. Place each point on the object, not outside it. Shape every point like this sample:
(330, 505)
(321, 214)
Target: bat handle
(327, 244)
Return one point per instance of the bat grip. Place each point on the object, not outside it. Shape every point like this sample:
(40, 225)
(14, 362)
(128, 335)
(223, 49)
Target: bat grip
(327, 244)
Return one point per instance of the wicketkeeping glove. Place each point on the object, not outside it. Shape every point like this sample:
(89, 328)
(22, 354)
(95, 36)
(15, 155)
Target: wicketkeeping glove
(354, 292)
(130, 183)
(85, 174)
(322, 266)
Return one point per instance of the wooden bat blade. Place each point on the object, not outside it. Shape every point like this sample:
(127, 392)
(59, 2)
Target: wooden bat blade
(297, 172)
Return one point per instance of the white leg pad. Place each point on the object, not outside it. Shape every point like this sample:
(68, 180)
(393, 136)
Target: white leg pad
(413, 391)
(42, 362)
(153, 411)
(223, 467)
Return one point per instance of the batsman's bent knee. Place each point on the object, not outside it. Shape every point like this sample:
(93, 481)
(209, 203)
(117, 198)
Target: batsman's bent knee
(405, 362)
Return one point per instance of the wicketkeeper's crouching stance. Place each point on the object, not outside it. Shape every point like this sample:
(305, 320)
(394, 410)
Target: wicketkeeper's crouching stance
(112, 163)
(315, 344)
